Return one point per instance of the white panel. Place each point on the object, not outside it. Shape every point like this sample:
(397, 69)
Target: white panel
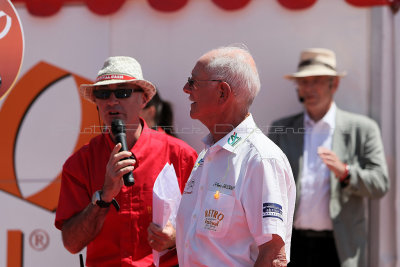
(396, 129)
(38, 249)
(74, 39)
(383, 106)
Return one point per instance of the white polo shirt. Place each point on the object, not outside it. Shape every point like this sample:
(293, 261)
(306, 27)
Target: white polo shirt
(240, 192)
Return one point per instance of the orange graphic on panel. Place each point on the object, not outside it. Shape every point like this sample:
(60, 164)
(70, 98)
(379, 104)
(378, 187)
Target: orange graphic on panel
(37, 79)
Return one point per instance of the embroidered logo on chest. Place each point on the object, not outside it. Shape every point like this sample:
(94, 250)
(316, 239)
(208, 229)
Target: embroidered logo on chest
(213, 219)
(219, 185)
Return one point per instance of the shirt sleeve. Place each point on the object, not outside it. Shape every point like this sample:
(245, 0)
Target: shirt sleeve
(268, 199)
(74, 196)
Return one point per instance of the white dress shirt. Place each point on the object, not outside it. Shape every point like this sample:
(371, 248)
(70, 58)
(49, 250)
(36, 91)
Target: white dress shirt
(240, 192)
(313, 208)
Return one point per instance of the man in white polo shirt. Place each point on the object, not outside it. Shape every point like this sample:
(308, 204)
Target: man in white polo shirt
(237, 206)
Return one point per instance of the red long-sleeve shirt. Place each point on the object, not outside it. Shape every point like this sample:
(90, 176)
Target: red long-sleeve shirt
(123, 238)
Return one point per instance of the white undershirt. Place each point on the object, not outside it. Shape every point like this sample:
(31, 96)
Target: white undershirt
(313, 209)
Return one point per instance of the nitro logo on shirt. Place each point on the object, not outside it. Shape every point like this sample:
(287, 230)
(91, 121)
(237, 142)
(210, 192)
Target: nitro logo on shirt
(234, 139)
(272, 210)
(213, 219)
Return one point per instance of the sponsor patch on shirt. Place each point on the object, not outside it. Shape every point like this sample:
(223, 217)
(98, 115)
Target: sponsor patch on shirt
(189, 187)
(200, 163)
(272, 210)
(234, 139)
(213, 220)
(224, 186)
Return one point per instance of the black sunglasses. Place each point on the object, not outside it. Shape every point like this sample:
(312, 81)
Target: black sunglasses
(119, 93)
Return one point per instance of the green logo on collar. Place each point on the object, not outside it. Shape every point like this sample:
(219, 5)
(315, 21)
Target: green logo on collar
(234, 139)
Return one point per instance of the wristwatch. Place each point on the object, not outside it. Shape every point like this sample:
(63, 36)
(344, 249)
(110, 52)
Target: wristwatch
(345, 179)
(96, 200)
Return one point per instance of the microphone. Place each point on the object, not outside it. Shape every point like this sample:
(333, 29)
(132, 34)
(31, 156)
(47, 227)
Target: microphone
(118, 129)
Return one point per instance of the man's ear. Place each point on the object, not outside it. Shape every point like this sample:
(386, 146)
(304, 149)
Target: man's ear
(144, 100)
(334, 84)
(225, 92)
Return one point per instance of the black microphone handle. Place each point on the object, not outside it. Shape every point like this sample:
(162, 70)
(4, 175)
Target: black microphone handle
(128, 177)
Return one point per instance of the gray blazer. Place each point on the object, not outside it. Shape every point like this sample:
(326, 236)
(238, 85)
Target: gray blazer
(357, 142)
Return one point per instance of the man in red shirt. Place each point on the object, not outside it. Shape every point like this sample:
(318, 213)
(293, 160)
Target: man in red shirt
(92, 178)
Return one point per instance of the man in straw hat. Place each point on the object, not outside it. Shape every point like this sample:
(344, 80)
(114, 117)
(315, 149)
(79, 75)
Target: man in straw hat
(337, 160)
(92, 183)
(237, 207)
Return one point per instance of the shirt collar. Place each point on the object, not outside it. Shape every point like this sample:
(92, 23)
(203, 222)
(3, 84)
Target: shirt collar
(329, 118)
(234, 138)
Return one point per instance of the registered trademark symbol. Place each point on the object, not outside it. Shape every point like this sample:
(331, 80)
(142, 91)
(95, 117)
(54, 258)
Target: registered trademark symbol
(39, 240)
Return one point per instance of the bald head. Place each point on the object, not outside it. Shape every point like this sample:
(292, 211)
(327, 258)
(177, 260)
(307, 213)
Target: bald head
(237, 67)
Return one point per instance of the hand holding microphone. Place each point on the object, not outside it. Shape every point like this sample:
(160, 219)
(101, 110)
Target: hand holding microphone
(119, 131)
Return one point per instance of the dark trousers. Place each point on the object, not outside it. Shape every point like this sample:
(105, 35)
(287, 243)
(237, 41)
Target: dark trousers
(313, 248)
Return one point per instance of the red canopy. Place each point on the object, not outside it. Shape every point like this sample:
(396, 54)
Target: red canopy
(107, 7)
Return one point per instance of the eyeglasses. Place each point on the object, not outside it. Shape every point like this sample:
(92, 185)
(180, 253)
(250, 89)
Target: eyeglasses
(191, 81)
(119, 93)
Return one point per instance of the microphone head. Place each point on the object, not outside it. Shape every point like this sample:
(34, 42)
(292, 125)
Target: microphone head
(117, 126)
